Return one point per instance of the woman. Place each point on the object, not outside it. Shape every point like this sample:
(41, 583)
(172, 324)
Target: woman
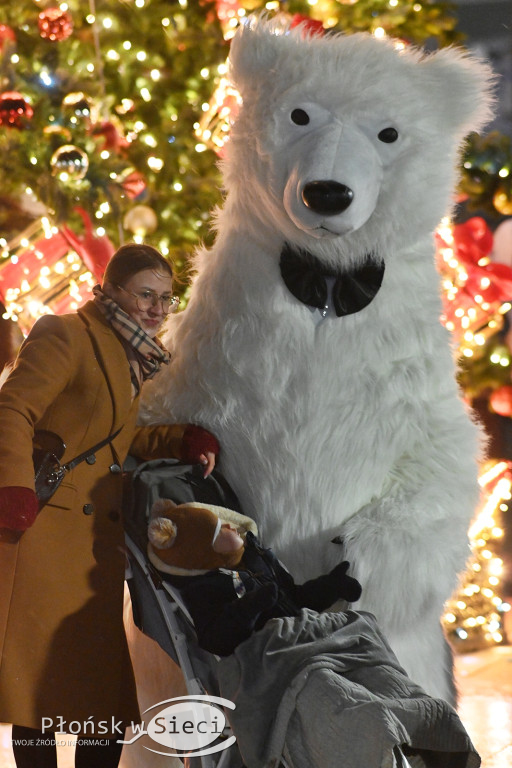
(63, 653)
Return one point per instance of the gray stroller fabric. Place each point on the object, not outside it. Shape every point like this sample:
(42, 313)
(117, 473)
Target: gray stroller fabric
(168, 479)
(327, 690)
(145, 483)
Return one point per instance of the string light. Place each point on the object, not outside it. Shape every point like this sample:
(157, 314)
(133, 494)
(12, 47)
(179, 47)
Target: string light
(213, 127)
(474, 617)
(155, 163)
(58, 268)
(467, 313)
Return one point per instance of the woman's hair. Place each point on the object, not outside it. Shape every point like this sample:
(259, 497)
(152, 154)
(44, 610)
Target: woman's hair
(132, 258)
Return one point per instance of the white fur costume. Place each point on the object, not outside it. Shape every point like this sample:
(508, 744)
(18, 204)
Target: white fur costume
(349, 425)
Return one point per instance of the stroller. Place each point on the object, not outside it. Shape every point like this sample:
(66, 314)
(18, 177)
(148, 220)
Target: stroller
(158, 610)
(361, 669)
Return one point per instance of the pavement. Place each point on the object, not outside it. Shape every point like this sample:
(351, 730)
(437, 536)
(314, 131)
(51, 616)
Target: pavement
(484, 680)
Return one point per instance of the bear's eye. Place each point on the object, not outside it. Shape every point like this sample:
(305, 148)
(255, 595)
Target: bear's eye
(299, 117)
(388, 135)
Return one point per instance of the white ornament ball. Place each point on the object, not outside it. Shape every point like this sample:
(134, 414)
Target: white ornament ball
(140, 220)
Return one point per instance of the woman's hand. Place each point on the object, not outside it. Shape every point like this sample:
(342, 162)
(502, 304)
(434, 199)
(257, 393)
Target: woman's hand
(208, 460)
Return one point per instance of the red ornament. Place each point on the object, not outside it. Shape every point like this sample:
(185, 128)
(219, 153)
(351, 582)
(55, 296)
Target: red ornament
(309, 27)
(473, 240)
(501, 400)
(114, 140)
(54, 24)
(134, 185)
(7, 36)
(227, 10)
(14, 109)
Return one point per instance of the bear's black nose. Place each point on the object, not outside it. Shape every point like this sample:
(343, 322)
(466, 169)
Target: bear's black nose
(327, 197)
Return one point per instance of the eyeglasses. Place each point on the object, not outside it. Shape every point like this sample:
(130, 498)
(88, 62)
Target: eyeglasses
(147, 299)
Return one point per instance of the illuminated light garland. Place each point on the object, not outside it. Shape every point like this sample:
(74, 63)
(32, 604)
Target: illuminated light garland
(476, 291)
(474, 302)
(44, 274)
(213, 128)
(473, 617)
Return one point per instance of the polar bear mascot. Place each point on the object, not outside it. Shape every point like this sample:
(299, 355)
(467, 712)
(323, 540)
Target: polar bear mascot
(312, 346)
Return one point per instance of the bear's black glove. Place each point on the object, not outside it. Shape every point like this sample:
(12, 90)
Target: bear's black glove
(319, 594)
(346, 587)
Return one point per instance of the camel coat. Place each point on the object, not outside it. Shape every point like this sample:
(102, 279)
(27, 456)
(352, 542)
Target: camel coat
(63, 651)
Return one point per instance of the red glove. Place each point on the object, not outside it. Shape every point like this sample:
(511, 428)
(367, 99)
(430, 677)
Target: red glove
(18, 508)
(197, 441)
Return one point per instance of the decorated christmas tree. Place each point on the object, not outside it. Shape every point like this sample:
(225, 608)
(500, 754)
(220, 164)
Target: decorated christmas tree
(113, 116)
(112, 119)
(100, 106)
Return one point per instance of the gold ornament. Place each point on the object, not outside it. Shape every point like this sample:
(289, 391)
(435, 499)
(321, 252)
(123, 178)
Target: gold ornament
(140, 220)
(502, 201)
(76, 104)
(58, 131)
(69, 163)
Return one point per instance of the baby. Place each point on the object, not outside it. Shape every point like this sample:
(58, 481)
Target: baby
(241, 584)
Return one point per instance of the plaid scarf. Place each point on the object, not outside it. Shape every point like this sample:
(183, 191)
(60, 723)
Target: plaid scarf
(148, 353)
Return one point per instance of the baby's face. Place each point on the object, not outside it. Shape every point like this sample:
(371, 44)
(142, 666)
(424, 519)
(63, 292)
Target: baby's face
(227, 540)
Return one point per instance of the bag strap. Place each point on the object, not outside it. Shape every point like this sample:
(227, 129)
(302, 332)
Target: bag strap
(69, 465)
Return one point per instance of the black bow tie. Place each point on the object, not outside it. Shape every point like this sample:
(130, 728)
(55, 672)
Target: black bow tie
(306, 278)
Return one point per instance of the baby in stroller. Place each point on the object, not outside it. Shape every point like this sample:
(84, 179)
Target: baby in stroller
(201, 548)
(322, 688)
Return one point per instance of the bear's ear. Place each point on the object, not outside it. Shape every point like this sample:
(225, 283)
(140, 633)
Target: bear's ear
(462, 87)
(162, 532)
(254, 50)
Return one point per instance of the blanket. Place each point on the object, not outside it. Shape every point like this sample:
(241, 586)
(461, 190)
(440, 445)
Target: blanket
(327, 691)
